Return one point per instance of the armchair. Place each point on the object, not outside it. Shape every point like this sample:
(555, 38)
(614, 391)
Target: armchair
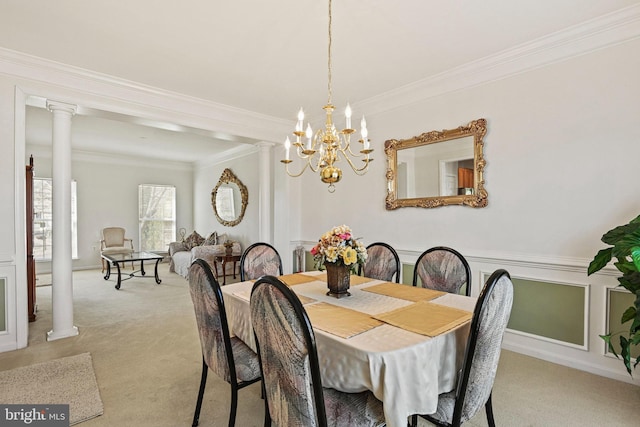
(114, 242)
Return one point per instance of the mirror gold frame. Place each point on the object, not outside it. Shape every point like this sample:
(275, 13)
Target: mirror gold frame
(228, 177)
(478, 199)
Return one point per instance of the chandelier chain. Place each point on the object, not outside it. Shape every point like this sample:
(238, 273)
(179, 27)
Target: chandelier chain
(322, 150)
(329, 58)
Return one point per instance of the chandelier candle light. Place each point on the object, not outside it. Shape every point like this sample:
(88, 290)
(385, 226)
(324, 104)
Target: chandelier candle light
(322, 150)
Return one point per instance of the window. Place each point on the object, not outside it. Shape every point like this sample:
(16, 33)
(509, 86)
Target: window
(43, 217)
(157, 216)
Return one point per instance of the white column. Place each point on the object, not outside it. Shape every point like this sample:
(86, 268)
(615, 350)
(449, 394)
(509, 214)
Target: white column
(61, 265)
(265, 209)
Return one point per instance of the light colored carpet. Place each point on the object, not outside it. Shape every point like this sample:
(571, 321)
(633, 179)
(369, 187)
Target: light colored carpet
(68, 380)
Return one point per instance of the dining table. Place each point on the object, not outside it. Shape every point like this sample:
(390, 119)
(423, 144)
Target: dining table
(405, 344)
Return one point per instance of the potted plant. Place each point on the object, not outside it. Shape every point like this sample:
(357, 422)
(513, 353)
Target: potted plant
(624, 246)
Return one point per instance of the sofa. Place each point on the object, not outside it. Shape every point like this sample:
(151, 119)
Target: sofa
(183, 253)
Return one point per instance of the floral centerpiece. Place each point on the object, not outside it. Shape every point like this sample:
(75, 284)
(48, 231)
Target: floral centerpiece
(340, 253)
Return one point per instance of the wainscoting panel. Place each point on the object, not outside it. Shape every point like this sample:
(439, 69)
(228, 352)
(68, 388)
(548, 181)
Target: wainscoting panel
(553, 311)
(618, 300)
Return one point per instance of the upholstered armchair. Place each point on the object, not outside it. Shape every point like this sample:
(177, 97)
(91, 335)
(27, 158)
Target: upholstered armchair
(114, 242)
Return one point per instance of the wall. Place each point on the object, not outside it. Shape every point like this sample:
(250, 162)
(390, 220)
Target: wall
(562, 149)
(206, 177)
(107, 189)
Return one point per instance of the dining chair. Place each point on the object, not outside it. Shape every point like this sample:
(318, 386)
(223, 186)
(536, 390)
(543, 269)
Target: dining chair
(227, 356)
(114, 242)
(286, 345)
(382, 263)
(475, 380)
(258, 260)
(443, 269)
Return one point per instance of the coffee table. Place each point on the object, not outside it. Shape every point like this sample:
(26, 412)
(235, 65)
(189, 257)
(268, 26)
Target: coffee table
(224, 259)
(117, 259)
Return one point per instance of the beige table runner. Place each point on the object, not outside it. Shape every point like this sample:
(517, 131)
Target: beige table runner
(426, 318)
(246, 295)
(355, 280)
(405, 292)
(340, 321)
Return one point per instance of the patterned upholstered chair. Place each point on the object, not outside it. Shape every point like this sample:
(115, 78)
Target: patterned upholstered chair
(443, 269)
(382, 263)
(475, 381)
(258, 260)
(227, 356)
(294, 395)
(113, 242)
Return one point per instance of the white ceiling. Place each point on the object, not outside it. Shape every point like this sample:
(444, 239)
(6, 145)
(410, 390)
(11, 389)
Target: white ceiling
(270, 57)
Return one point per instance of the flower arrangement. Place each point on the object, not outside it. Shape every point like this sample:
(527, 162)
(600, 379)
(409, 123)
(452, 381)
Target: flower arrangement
(338, 246)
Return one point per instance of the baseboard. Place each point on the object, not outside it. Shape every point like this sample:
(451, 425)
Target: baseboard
(569, 362)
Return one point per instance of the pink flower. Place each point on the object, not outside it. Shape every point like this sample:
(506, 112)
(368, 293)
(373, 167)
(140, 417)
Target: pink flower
(345, 236)
(314, 250)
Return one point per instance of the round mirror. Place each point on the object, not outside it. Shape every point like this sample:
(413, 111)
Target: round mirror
(229, 199)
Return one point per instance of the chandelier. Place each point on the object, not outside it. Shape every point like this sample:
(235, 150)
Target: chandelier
(320, 151)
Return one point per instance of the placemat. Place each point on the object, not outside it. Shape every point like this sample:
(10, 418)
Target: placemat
(354, 280)
(340, 321)
(405, 292)
(296, 279)
(426, 318)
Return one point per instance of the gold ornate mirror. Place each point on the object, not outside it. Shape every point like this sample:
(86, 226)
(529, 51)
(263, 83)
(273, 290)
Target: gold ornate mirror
(229, 199)
(437, 168)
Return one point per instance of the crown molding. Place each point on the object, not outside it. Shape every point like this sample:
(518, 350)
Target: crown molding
(93, 90)
(44, 151)
(599, 33)
(235, 153)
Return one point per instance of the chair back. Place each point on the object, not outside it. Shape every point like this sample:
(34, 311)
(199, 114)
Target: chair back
(113, 236)
(258, 260)
(382, 263)
(490, 318)
(443, 269)
(287, 352)
(211, 319)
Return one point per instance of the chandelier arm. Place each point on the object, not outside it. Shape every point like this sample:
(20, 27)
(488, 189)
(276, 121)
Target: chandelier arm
(295, 175)
(366, 161)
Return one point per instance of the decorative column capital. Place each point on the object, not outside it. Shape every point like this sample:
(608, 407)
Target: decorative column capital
(265, 145)
(61, 106)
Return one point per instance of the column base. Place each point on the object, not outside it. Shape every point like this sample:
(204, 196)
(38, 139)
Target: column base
(56, 335)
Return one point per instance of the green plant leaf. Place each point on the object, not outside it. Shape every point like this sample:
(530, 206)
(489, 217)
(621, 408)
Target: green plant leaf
(601, 259)
(625, 245)
(629, 313)
(625, 352)
(607, 340)
(625, 266)
(635, 255)
(630, 281)
(635, 220)
(612, 236)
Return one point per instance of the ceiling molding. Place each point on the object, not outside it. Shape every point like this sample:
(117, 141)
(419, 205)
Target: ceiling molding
(103, 92)
(608, 30)
(236, 153)
(44, 151)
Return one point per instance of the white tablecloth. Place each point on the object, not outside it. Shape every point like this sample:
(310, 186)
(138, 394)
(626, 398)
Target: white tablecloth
(405, 370)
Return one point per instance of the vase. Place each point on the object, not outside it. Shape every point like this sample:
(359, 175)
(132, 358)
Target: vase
(338, 278)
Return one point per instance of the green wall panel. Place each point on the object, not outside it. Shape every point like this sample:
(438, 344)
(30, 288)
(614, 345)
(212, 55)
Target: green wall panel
(550, 310)
(3, 306)
(619, 301)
